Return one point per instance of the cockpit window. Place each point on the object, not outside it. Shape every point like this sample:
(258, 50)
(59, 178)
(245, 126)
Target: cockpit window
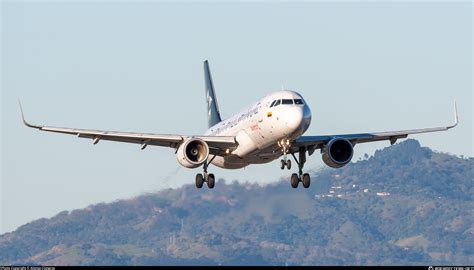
(273, 103)
(298, 101)
(277, 103)
(287, 101)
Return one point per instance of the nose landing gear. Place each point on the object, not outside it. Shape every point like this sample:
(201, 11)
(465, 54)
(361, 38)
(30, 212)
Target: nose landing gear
(285, 146)
(285, 163)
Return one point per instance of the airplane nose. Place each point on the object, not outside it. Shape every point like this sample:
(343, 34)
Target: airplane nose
(297, 119)
(306, 118)
(294, 118)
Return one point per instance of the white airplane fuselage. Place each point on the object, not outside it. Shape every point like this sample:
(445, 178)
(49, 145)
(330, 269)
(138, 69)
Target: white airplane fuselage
(259, 128)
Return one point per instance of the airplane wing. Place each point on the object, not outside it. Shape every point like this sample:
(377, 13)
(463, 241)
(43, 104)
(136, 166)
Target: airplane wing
(217, 144)
(315, 142)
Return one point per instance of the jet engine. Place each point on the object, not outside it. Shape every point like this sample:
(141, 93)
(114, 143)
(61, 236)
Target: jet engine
(337, 152)
(192, 153)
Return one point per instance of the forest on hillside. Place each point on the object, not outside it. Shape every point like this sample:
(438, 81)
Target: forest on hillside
(405, 205)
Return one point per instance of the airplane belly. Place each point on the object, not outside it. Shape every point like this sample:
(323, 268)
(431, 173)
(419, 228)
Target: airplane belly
(235, 162)
(231, 162)
(261, 159)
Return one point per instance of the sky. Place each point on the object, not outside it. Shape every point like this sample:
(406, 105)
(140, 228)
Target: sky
(138, 66)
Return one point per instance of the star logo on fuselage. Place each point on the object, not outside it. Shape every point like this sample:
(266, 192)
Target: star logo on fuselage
(209, 103)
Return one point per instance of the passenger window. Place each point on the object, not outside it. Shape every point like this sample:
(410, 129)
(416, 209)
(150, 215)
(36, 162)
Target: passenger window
(277, 103)
(298, 101)
(287, 101)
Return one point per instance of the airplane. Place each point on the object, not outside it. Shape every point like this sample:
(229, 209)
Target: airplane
(271, 128)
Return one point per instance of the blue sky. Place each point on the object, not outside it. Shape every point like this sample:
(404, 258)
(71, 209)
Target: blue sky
(361, 66)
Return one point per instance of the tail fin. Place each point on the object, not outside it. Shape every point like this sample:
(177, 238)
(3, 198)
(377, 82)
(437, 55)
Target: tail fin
(213, 114)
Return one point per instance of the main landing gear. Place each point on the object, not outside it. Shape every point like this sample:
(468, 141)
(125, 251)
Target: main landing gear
(300, 177)
(209, 178)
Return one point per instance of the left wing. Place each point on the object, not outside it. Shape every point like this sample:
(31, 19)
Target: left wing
(217, 144)
(314, 142)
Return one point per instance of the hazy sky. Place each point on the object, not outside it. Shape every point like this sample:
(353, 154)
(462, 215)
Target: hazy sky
(361, 66)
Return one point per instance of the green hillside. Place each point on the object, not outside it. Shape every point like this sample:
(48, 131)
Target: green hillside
(406, 205)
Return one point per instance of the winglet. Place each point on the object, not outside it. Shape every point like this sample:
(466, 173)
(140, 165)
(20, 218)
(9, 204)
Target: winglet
(23, 118)
(456, 119)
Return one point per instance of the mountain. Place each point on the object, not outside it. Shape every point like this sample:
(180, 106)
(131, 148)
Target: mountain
(405, 205)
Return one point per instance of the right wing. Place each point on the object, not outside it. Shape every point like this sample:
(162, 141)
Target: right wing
(218, 145)
(315, 142)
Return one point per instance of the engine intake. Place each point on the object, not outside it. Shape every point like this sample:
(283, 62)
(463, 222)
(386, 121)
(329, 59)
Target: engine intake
(337, 153)
(192, 153)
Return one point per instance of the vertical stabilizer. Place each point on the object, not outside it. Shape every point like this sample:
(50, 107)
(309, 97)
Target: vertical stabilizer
(213, 114)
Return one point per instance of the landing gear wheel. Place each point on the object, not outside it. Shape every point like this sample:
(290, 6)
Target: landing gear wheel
(306, 180)
(285, 163)
(211, 180)
(199, 180)
(295, 180)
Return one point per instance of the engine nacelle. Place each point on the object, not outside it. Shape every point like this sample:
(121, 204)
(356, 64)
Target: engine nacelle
(337, 153)
(192, 153)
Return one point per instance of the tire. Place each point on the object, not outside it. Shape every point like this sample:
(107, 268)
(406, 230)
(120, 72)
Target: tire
(282, 164)
(294, 180)
(211, 181)
(306, 180)
(199, 180)
(288, 164)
